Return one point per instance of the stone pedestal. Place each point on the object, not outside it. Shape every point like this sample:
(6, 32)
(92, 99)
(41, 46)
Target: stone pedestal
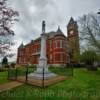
(42, 71)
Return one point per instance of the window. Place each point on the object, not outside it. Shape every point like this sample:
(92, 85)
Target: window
(27, 50)
(61, 43)
(19, 60)
(65, 45)
(35, 50)
(50, 57)
(50, 44)
(61, 57)
(55, 44)
(21, 53)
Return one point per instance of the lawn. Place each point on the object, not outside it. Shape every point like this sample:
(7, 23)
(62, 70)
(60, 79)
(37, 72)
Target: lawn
(3, 77)
(84, 85)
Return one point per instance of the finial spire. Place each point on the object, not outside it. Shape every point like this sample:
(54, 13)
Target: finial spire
(58, 26)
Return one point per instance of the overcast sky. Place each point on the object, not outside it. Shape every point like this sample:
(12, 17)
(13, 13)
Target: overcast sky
(54, 12)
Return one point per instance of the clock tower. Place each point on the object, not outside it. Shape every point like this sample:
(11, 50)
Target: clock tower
(73, 39)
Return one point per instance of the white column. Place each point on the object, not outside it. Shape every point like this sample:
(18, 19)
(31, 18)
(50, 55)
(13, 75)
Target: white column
(43, 59)
(42, 67)
(43, 46)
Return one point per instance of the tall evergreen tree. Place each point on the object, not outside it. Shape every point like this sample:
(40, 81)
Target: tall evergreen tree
(5, 61)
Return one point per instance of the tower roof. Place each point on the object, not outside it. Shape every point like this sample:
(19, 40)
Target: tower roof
(21, 46)
(59, 31)
(71, 20)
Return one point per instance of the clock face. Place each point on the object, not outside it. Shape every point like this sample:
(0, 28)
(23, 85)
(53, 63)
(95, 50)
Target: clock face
(71, 32)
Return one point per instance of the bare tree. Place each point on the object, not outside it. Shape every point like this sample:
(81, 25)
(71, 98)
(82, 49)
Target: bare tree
(7, 18)
(90, 30)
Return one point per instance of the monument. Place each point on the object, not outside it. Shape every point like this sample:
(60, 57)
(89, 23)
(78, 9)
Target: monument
(42, 71)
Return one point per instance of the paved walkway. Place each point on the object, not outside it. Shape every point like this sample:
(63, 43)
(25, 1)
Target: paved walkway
(10, 85)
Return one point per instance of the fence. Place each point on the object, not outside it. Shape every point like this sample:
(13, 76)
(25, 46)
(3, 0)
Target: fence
(24, 75)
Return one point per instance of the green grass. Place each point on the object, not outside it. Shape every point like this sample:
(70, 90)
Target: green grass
(20, 71)
(84, 85)
(3, 77)
(62, 71)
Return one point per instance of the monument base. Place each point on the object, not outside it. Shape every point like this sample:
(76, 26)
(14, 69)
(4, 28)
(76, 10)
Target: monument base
(41, 75)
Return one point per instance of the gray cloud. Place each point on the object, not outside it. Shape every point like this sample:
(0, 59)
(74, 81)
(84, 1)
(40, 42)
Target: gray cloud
(55, 12)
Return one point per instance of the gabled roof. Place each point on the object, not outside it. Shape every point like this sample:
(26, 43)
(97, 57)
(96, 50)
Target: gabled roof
(21, 46)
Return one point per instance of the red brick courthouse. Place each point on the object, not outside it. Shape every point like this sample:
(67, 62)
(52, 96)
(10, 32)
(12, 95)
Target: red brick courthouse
(59, 48)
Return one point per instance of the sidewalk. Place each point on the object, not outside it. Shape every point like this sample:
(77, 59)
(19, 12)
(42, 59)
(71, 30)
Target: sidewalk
(10, 85)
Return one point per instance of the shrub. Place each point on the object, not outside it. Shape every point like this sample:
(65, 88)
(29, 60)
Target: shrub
(12, 65)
